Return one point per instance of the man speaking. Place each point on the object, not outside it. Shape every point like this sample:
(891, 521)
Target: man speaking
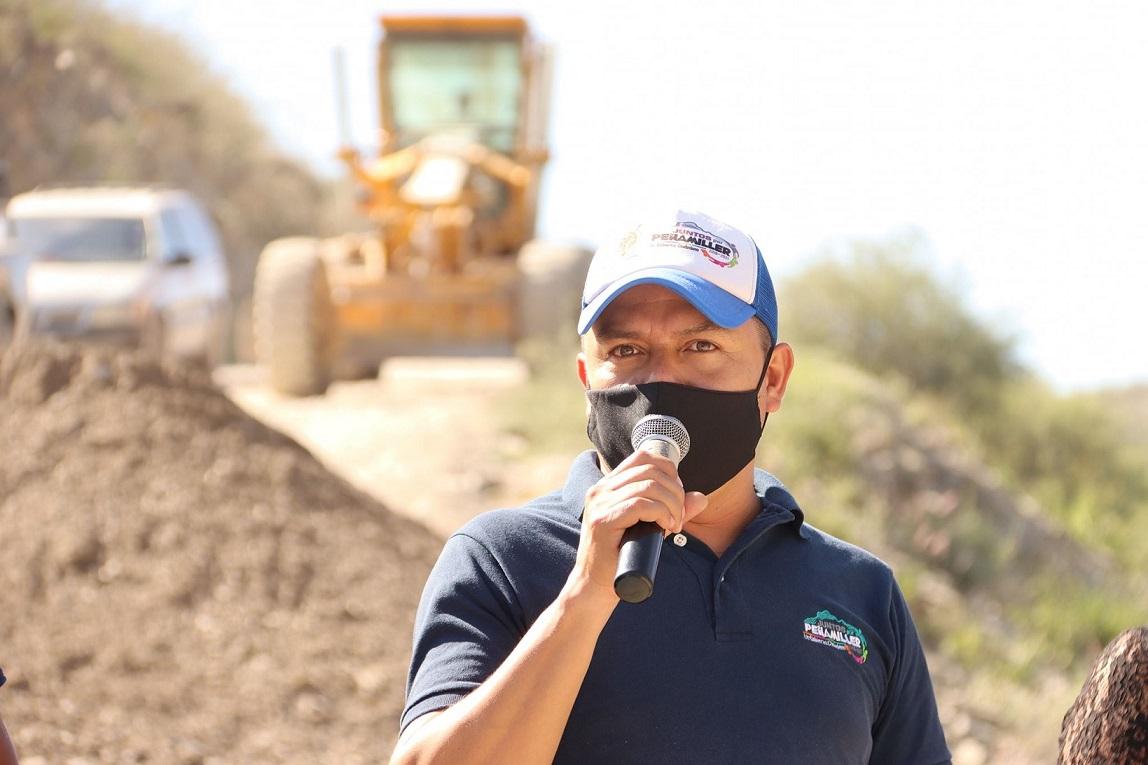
(764, 640)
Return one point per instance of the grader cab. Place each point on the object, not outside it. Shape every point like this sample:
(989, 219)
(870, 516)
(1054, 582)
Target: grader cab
(451, 266)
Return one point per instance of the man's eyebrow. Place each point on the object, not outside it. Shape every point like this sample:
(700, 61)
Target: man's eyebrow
(705, 326)
(614, 332)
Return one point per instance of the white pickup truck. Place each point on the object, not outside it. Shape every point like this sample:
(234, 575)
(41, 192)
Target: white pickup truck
(140, 266)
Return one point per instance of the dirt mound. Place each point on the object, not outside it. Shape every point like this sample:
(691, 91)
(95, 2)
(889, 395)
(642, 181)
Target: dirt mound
(182, 584)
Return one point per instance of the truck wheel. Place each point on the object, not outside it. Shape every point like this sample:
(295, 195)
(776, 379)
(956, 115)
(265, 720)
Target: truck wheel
(551, 276)
(7, 324)
(153, 338)
(293, 317)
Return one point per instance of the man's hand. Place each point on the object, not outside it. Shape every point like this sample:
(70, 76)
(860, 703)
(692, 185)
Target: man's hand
(643, 487)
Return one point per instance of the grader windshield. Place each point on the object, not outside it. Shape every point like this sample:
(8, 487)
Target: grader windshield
(466, 83)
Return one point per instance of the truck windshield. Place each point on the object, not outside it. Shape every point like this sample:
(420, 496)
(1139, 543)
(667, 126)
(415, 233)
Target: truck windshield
(80, 240)
(472, 87)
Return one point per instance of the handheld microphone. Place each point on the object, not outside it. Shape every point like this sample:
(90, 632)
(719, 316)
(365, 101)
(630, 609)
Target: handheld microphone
(642, 542)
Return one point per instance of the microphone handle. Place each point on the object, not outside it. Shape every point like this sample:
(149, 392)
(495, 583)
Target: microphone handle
(638, 561)
(641, 545)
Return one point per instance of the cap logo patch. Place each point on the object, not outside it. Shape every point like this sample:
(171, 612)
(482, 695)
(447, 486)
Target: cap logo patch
(826, 629)
(716, 250)
(626, 244)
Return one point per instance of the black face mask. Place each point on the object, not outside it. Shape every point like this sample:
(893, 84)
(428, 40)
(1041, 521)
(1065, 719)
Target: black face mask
(724, 426)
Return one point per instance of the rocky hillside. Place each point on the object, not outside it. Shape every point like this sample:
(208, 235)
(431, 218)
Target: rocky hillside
(89, 97)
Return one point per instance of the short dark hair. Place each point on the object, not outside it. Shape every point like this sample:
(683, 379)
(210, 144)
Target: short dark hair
(766, 338)
(1107, 720)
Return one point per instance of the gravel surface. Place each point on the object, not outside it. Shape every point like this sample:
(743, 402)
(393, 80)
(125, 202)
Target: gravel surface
(423, 438)
(183, 584)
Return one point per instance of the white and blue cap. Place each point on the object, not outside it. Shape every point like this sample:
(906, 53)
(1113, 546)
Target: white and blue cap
(715, 266)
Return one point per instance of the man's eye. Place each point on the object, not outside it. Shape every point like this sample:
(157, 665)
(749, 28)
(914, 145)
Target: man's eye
(624, 350)
(702, 345)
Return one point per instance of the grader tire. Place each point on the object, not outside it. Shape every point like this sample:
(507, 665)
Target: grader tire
(551, 276)
(293, 317)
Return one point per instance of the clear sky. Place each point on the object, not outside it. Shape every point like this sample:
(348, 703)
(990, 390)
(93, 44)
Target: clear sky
(1013, 133)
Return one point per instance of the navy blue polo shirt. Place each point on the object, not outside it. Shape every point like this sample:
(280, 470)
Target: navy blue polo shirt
(792, 646)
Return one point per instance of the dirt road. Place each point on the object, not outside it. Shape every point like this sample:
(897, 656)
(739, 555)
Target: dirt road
(423, 437)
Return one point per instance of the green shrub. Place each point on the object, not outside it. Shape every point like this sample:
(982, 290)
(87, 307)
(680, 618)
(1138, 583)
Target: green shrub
(1066, 624)
(549, 412)
(881, 306)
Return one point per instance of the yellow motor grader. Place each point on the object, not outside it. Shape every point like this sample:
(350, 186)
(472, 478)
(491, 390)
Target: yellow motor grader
(451, 266)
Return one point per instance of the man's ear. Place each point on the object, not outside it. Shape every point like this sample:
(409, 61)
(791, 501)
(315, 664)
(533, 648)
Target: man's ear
(776, 378)
(582, 376)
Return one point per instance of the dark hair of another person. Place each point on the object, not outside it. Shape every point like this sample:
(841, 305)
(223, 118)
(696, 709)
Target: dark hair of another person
(1108, 722)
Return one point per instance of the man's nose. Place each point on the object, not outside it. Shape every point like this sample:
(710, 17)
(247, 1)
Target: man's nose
(661, 368)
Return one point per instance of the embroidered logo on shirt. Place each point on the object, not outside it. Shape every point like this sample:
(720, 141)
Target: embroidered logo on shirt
(826, 629)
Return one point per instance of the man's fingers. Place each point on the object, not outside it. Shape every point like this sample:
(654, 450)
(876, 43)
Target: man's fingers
(641, 506)
(695, 502)
(643, 487)
(642, 457)
(664, 474)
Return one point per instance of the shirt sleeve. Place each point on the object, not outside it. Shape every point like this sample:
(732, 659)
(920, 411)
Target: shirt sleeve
(467, 623)
(908, 728)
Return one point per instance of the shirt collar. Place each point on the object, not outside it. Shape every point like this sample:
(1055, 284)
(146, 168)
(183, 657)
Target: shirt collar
(775, 497)
(585, 472)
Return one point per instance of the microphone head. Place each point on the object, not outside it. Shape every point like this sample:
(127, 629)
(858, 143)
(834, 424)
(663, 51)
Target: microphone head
(662, 427)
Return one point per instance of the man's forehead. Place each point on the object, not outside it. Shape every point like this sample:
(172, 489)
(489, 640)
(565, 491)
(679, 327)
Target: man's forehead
(606, 330)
